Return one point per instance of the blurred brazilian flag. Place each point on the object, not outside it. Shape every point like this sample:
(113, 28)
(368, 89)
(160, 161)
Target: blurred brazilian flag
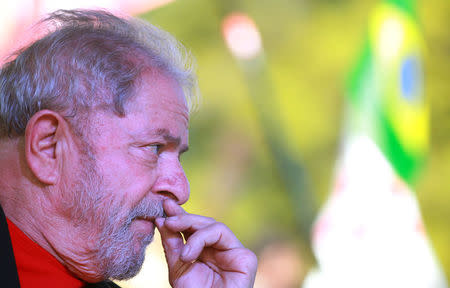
(370, 231)
(385, 92)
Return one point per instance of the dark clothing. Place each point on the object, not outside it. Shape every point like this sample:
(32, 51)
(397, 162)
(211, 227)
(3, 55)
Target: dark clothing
(8, 270)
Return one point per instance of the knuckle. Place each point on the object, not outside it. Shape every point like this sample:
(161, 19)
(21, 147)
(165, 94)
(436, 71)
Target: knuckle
(219, 226)
(254, 258)
(210, 219)
(251, 260)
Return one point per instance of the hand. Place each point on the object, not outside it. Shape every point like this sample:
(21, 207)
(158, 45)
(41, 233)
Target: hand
(212, 255)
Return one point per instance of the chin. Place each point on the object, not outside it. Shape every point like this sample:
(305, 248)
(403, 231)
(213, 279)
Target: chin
(123, 256)
(143, 232)
(141, 242)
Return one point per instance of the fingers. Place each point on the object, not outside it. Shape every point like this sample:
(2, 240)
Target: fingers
(201, 232)
(216, 235)
(210, 250)
(188, 222)
(172, 242)
(172, 208)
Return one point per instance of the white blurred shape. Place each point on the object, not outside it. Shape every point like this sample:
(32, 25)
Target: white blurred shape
(52, 5)
(370, 232)
(241, 36)
(119, 6)
(16, 17)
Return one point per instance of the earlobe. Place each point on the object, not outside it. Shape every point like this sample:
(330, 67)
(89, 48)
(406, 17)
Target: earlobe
(43, 134)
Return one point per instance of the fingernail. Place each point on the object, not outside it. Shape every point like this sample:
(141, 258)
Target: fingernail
(159, 222)
(185, 251)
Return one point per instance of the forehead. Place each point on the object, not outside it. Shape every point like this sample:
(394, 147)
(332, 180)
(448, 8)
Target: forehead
(155, 90)
(158, 104)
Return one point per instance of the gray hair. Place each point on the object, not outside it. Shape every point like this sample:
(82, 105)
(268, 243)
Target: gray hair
(88, 59)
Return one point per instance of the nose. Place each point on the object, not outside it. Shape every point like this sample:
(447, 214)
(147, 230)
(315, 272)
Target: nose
(172, 181)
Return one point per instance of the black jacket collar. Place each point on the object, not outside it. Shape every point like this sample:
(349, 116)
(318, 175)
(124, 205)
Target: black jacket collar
(8, 269)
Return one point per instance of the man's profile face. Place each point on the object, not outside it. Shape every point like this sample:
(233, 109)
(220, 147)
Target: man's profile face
(137, 166)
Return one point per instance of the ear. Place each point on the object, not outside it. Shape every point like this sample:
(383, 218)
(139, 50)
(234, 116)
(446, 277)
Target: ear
(47, 135)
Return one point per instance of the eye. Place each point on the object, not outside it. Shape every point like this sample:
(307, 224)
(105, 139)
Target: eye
(153, 148)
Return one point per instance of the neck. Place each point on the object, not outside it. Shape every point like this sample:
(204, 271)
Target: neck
(70, 245)
(30, 205)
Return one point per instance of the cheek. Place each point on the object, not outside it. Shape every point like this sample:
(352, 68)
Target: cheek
(127, 179)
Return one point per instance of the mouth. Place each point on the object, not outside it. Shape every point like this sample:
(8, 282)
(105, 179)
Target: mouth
(150, 218)
(146, 218)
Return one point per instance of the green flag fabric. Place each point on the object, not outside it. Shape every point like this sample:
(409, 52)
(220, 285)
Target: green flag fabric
(385, 94)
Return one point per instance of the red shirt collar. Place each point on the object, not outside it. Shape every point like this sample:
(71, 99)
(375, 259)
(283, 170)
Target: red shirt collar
(35, 266)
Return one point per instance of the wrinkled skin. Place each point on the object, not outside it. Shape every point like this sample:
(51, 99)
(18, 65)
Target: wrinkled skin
(212, 255)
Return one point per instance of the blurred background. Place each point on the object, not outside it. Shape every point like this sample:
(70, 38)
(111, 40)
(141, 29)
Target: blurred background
(264, 143)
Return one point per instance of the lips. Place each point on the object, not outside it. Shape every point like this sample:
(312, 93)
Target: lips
(146, 218)
(144, 224)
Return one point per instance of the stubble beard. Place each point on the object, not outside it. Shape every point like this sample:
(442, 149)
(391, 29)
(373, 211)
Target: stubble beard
(121, 251)
(115, 253)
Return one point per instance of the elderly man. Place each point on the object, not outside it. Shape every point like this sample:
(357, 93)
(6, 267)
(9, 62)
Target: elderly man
(93, 120)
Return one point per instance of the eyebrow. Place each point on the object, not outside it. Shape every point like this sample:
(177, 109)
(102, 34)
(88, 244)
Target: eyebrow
(172, 139)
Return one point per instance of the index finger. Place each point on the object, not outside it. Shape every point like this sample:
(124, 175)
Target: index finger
(171, 208)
